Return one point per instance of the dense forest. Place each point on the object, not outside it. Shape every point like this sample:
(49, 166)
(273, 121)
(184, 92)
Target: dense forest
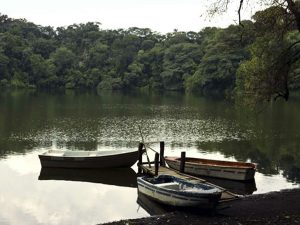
(247, 59)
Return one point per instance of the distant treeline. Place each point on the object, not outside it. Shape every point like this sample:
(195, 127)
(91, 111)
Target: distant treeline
(213, 60)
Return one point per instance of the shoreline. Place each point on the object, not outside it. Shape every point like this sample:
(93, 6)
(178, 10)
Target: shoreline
(282, 207)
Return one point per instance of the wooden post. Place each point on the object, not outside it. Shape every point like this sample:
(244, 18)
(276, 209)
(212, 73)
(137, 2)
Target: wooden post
(182, 162)
(156, 161)
(162, 153)
(140, 152)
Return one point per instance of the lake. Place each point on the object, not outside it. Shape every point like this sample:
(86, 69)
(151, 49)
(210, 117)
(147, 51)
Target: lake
(32, 122)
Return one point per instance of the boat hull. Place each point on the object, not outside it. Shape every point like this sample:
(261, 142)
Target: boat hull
(89, 162)
(211, 170)
(206, 201)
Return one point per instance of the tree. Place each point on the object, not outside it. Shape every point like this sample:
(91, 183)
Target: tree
(223, 53)
(275, 55)
(133, 78)
(97, 56)
(290, 6)
(180, 62)
(44, 47)
(151, 61)
(4, 61)
(64, 59)
(269, 77)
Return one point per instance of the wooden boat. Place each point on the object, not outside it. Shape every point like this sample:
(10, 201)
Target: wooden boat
(175, 191)
(214, 168)
(88, 159)
(123, 177)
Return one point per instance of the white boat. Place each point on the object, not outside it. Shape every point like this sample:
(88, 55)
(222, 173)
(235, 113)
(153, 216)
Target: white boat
(214, 168)
(88, 159)
(175, 191)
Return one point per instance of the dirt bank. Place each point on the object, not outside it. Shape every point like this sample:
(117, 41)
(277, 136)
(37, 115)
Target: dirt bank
(273, 208)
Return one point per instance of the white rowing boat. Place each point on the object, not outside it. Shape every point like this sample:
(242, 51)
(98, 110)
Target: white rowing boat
(88, 159)
(175, 191)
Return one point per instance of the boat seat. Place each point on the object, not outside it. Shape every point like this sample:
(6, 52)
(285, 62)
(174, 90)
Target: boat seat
(55, 154)
(74, 154)
(171, 185)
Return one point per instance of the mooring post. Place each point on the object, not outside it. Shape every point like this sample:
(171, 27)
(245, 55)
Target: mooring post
(140, 157)
(162, 153)
(182, 162)
(156, 161)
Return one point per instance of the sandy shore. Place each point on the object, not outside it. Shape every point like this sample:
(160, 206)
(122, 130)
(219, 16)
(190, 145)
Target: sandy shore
(273, 208)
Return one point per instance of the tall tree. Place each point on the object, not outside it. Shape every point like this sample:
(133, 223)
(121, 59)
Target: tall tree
(273, 55)
(290, 6)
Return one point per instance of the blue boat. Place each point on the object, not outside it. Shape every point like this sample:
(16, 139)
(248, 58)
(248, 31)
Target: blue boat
(175, 191)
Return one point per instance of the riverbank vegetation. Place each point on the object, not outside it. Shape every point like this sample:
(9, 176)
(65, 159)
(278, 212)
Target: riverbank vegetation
(259, 59)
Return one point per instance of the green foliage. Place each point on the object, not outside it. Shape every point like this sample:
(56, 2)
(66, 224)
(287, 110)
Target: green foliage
(97, 56)
(63, 59)
(85, 56)
(272, 68)
(109, 83)
(217, 71)
(180, 62)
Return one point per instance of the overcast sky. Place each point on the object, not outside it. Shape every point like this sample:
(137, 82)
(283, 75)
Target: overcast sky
(159, 15)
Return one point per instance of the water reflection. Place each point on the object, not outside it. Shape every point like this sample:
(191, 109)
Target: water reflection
(125, 177)
(237, 187)
(152, 207)
(291, 170)
(271, 157)
(155, 208)
(28, 200)
(32, 122)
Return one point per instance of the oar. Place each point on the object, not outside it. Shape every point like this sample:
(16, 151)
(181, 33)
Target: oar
(151, 148)
(145, 147)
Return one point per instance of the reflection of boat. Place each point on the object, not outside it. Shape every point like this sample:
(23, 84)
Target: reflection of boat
(153, 207)
(214, 168)
(88, 159)
(174, 191)
(236, 187)
(125, 177)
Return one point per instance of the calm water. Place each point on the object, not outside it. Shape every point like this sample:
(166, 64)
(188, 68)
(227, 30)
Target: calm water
(31, 123)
